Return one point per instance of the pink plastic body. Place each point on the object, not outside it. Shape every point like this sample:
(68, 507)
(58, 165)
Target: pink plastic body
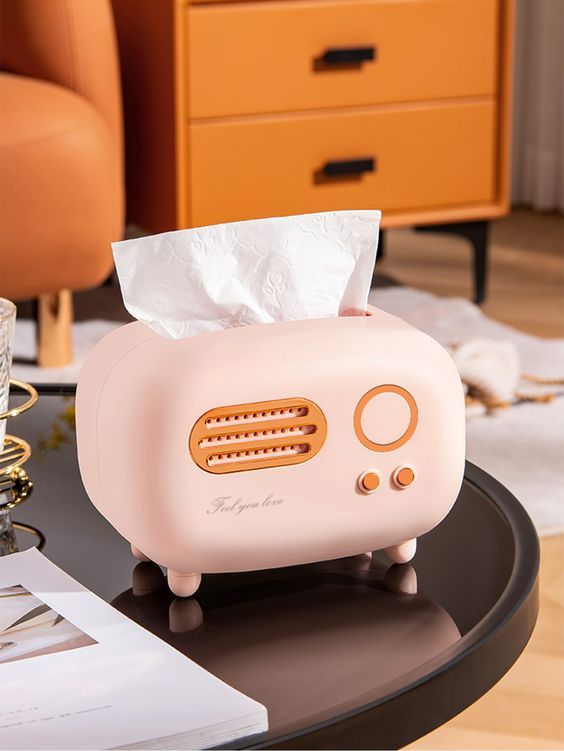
(139, 396)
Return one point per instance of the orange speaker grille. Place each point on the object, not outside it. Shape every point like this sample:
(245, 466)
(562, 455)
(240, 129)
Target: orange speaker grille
(258, 435)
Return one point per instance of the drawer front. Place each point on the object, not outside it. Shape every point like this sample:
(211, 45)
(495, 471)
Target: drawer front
(422, 158)
(283, 56)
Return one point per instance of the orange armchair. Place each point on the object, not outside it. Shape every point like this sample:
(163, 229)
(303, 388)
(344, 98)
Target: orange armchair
(61, 174)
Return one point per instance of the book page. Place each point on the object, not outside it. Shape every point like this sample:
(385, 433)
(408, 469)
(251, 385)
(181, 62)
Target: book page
(76, 674)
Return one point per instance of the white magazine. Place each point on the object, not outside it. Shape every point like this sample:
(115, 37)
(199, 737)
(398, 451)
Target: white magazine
(77, 674)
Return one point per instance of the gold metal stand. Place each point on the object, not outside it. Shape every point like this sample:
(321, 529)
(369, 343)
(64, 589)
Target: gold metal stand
(14, 452)
(33, 531)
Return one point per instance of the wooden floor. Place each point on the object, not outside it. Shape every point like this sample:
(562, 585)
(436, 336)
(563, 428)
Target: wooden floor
(526, 279)
(525, 710)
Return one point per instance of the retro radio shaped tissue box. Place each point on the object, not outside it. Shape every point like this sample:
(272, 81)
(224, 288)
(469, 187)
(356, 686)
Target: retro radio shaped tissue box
(270, 445)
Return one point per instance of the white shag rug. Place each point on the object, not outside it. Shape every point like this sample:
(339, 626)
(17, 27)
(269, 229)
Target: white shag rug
(522, 446)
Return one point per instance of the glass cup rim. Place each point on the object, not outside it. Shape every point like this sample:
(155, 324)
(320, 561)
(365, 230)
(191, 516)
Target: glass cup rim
(10, 309)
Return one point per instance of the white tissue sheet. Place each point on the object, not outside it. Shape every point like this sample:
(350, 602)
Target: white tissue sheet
(260, 271)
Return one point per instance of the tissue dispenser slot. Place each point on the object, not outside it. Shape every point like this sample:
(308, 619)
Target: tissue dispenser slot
(257, 435)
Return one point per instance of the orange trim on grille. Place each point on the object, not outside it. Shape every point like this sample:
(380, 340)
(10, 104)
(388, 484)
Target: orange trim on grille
(258, 435)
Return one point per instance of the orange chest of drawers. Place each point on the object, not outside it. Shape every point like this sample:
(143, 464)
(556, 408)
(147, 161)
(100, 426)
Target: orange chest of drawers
(238, 110)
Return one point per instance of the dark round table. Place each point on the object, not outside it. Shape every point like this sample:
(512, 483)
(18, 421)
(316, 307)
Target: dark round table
(352, 653)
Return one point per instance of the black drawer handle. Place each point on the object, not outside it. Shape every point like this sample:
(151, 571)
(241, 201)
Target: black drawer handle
(344, 55)
(349, 167)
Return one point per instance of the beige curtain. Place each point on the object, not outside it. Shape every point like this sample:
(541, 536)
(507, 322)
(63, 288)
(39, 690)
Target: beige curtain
(538, 112)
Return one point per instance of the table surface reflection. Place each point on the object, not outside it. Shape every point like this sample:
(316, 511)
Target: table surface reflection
(352, 653)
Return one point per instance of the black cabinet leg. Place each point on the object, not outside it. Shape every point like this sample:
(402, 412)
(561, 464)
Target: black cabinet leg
(381, 252)
(477, 235)
(479, 240)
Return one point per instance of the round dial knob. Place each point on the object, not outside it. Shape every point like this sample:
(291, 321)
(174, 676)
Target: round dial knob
(385, 418)
(369, 481)
(403, 476)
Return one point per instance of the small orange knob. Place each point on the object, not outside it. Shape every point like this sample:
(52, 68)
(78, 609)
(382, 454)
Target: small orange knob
(369, 481)
(404, 476)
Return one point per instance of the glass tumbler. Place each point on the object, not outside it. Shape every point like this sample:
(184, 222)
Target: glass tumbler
(7, 325)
